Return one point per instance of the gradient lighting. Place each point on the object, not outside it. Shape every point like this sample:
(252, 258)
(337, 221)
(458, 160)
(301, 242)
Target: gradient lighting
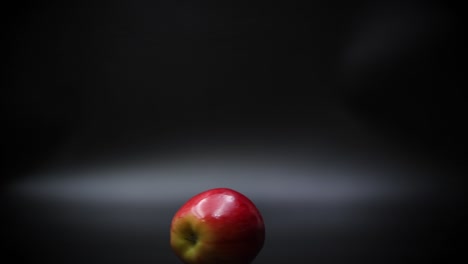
(271, 184)
(332, 212)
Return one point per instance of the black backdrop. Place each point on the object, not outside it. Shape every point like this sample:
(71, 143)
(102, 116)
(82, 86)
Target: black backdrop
(342, 119)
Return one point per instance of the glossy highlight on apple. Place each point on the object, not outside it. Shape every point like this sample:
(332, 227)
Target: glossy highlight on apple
(217, 226)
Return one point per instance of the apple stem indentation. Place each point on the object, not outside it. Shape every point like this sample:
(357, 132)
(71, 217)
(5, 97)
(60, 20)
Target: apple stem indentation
(192, 237)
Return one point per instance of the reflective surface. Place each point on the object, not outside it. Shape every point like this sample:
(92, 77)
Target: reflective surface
(218, 225)
(214, 207)
(122, 214)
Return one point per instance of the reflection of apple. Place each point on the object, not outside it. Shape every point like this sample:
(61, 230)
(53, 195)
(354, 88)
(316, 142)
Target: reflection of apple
(218, 226)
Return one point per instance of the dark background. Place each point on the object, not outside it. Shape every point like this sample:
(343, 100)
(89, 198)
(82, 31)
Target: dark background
(342, 120)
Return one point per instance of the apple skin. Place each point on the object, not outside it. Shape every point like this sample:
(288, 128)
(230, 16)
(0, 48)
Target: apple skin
(218, 226)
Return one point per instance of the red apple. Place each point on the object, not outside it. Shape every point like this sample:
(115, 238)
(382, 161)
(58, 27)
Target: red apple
(219, 226)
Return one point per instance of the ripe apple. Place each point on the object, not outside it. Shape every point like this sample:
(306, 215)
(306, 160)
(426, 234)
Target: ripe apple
(219, 226)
